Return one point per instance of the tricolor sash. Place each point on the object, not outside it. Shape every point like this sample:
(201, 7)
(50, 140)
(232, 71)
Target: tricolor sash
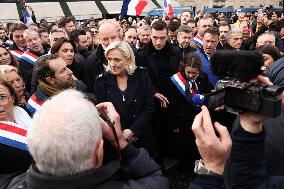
(12, 134)
(29, 57)
(180, 83)
(17, 54)
(9, 42)
(198, 41)
(33, 104)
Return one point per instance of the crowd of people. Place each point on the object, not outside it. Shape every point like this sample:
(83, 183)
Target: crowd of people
(102, 104)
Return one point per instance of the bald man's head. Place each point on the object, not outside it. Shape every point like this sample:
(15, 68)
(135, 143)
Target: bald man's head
(107, 34)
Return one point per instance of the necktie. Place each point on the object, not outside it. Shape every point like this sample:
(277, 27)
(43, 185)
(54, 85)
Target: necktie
(188, 94)
(190, 90)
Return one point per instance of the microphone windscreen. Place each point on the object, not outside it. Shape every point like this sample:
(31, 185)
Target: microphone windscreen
(198, 100)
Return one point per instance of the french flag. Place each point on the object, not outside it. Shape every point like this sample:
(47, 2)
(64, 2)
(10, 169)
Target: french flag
(27, 17)
(168, 8)
(133, 7)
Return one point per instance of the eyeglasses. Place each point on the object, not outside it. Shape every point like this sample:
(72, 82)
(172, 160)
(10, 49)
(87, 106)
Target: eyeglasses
(4, 99)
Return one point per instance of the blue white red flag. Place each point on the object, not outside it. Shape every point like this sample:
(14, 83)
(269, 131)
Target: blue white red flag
(12, 134)
(27, 16)
(133, 7)
(168, 8)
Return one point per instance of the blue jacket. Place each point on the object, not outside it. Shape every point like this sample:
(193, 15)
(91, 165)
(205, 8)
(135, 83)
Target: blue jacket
(207, 69)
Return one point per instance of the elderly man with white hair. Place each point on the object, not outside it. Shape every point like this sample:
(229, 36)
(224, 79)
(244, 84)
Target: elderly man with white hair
(96, 62)
(65, 140)
(234, 39)
(144, 33)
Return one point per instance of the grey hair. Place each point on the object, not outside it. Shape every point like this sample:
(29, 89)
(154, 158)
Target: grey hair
(126, 51)
(204, 18)
(27, 32)
(64, 134)
(271, 33)
(233, 30)
(4, 69)
(185, 29)
(144, 27)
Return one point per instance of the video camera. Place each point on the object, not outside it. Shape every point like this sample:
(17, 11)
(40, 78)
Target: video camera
(238, 89)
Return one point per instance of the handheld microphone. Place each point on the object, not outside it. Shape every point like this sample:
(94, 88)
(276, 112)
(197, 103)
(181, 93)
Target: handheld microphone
(198, 100)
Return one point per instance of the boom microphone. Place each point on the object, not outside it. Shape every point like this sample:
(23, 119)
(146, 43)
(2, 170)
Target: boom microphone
(240, 65)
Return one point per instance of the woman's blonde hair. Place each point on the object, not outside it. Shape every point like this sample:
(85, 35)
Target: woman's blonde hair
(4, 69)
(126, 52)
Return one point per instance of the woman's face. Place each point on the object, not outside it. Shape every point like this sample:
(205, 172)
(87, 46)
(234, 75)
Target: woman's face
(268, 60)
(191, 73)
(5, 58)
(66, 52)
(117, 62)
(16, 81)
(6, 104)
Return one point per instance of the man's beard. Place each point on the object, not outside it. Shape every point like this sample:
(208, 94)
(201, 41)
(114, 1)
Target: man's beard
(65, 85)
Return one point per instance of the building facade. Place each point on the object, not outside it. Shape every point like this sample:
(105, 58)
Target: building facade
(199, 4)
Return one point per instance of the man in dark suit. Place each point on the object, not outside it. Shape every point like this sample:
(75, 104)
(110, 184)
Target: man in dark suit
(161, 60)
(184, 37)
(19, 42)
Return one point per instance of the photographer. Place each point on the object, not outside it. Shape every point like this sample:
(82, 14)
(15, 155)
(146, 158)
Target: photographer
(68, 149)
(247, 159)
(246, 66)
(246, 166)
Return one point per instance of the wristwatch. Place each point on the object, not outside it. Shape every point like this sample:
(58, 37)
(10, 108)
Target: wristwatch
(201, 170)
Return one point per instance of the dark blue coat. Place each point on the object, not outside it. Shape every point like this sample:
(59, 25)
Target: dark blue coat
(135, 171)
(137, 109)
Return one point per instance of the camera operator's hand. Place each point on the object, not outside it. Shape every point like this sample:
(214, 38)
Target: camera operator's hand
(250, 121)
(264, 80)
(108, 109)
(163, 100)
(214, 150)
